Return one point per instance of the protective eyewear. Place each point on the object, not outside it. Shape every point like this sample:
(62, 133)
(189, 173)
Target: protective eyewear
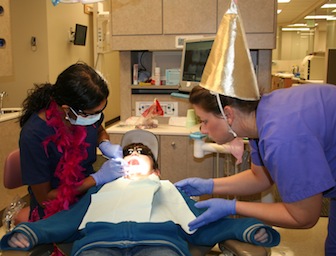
(84, 114)
(141, 150)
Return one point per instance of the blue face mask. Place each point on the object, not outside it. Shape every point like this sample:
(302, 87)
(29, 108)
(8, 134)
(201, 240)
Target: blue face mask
(84, 121)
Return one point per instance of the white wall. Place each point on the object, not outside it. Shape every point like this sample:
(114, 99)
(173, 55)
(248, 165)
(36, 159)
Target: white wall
(53, 53)
(292, 45)
(51, 25)
(28, 18)
(61, 52)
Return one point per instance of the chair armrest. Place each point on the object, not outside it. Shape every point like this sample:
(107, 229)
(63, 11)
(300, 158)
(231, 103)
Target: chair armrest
(197, 250)
(40, 250)
(243, 249)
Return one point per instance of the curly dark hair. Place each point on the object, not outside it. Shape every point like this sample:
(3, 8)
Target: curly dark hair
(78, 86)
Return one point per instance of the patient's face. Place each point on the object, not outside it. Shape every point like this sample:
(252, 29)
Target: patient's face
(140, 163)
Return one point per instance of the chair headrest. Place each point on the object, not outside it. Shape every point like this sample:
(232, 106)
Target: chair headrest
(142, 136)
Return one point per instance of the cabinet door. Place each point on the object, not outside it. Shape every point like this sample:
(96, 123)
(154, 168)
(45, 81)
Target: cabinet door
(6, 63)
(173, 155)
(178, 162)
(258, 15)
(115, 138)
(142, 17)
(189, 16)
(199, 167)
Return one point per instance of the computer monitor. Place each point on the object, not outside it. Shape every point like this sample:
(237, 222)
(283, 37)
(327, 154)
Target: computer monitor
(80, 34)
(194, 56)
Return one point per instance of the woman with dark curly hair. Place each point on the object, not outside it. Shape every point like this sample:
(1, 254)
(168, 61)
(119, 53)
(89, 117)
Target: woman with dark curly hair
(61, 129)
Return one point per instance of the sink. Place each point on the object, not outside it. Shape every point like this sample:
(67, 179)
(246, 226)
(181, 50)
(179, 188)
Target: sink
(10, 110)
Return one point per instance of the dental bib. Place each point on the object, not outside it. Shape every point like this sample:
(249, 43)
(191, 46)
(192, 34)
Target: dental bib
(147, 200)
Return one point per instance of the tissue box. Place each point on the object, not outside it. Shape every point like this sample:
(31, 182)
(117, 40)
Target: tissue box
(172, 76)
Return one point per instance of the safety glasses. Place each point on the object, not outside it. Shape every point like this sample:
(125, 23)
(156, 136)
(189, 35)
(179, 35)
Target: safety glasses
(84, 114)
(139, 149)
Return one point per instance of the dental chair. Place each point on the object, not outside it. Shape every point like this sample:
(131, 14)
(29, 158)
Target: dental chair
(13, 179)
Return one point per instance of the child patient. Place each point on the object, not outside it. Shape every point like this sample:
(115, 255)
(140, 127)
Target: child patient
(137, 214)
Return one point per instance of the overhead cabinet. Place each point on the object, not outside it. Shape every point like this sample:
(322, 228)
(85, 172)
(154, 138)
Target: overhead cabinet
(142, 17)
(6, 63)
(156, 24)
(189, 17)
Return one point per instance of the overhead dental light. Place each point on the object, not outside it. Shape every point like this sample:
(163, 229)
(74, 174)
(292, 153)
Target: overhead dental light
(56, 2)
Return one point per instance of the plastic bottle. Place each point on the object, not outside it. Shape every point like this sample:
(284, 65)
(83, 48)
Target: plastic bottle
(157, 77)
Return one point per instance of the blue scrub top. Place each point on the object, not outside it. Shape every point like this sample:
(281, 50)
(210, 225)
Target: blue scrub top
(297, 140)
(39, 167)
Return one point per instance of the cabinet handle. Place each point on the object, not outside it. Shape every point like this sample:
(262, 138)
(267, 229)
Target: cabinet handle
(173, 144)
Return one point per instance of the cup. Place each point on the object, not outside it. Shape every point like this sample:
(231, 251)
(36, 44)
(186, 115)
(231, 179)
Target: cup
(191, 118)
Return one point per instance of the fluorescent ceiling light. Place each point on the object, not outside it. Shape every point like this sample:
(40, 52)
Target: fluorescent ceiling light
(301, 25)
(298, 25)
(328, 6)
(279, 11)
(317, 17)
(284, 1)
(295, 29)
(331, 18)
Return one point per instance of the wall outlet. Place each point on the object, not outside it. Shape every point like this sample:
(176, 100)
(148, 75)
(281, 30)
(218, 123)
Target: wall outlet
(170, 108)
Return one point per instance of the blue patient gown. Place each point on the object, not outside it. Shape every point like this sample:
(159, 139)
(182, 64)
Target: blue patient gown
(157, 231)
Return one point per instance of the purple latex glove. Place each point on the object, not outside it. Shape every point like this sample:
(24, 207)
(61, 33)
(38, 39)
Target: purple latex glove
(112, 169)
(196, 186)
(111, 150)
(217, 209)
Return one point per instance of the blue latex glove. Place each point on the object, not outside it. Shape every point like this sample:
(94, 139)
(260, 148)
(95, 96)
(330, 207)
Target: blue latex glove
(217, 209)
(111, 150)
(112, 169)
(196, 186)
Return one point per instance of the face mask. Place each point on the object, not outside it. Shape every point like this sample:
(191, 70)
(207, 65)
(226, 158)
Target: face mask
(84, 121)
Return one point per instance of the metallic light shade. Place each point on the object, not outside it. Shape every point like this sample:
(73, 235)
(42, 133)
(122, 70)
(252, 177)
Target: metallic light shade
(229, 70)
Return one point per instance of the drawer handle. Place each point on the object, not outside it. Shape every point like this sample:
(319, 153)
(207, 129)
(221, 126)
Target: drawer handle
(173, 144)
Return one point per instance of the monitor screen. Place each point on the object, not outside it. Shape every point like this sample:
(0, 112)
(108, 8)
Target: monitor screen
(80, 34)
(194, 56)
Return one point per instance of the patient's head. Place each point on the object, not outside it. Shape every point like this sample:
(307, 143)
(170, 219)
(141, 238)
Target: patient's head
(141, 161)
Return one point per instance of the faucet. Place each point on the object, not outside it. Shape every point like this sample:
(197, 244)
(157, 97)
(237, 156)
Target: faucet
(2, 94)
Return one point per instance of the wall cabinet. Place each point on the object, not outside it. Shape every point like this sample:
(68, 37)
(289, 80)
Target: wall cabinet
(156, 24)
(189, 16)
(136, 17)
(176, 160)
(281, 82)
(259, 21)
(6, 63)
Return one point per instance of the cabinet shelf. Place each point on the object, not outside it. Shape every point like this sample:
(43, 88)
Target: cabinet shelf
(154, 89)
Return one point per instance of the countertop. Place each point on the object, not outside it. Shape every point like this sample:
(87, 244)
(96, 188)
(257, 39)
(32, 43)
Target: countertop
(162, 129)
(283, 75)
(9, 116)
(303, 81)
